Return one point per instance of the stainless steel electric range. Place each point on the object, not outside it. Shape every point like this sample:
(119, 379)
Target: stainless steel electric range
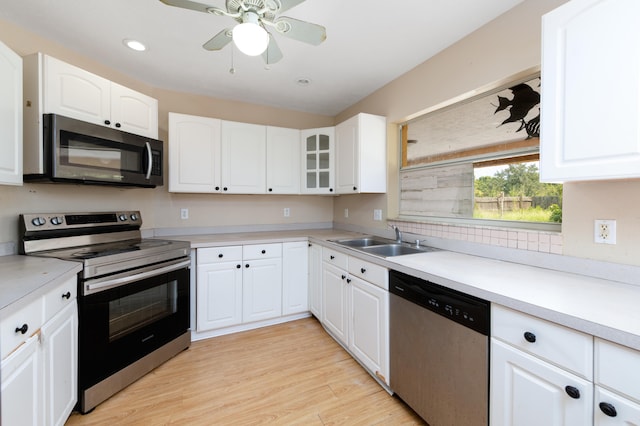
(133, 294)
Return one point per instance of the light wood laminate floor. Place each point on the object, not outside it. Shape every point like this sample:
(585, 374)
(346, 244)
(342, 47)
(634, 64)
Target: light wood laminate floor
(288, 374)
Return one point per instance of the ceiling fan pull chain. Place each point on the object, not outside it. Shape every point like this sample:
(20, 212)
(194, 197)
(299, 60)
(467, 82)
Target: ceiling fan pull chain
(232, 70)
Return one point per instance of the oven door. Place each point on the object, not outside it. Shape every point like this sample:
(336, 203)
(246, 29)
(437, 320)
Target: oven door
(121, 324)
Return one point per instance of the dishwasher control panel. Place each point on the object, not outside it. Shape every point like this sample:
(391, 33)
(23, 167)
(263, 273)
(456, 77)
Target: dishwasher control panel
(462, 308)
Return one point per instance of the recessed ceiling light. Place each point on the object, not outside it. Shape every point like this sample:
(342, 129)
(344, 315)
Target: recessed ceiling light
(303, 81)
(134, 45)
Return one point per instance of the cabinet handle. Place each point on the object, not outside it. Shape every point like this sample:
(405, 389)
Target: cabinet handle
(22, 329)
(344, 276)
(107, 122)
(362, 270)
(118, 125)
(224, 189)
(529, 337)
(608, 409)
(221, 255)
(238, 266)
(355, 188)
(573, 392)
(217, 188)
(348, 280)
(332, 257)
(246, 266)
(263, 251)
(67, 295)
(270, 189)
(330, 189)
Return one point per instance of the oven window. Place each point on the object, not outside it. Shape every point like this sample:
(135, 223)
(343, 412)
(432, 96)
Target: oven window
(130, 313)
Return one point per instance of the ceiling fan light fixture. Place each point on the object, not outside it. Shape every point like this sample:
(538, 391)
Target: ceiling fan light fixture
(249, 37)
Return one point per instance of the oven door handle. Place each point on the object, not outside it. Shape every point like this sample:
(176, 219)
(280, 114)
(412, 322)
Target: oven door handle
(115, 282)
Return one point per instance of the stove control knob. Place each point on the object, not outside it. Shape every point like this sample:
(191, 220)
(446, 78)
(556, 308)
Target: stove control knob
(56, 220)
(38, 221)
(134, 217)
(123, 217)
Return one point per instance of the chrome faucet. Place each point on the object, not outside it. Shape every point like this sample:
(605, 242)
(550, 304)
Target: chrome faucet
(398, 233)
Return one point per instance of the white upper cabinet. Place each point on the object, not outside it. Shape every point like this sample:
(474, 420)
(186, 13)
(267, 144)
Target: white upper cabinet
(591, 91)
(244, 153)
(10, 117)
(318, 161)
(361, 155)
(54, 86)
(283, 160)
(194, 153)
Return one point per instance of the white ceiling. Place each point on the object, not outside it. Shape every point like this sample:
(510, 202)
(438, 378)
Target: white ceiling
(369, 43)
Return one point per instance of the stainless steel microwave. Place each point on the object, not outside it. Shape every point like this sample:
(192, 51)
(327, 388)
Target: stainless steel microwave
(75, 151)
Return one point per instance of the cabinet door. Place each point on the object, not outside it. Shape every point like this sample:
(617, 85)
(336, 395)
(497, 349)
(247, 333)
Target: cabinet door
(295, 274)
(315, 280)
(369, 340)
(76, 93)
(22, 392)
(590, 112)
(347, 181)
(60, 355)
(527, 391)
(194, 153)
(134, 112)
(11, 117)
(262, 289)
(318, 161)
(283, 160)
(334, 302)
(626, 411)
(244, 152)
(219, 295)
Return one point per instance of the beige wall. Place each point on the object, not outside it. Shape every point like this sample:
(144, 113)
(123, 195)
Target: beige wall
(158, 207)
(506, 46)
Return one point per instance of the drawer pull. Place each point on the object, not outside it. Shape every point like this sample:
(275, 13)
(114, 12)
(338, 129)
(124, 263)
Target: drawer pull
(22, 329)
(573, 392)
(348, 280)
(221, 255)
(67, 295)
(332, 257)
(529, 337)
(263, 251)
(344, 276)
(608, 409)
(238, 266)
(362, 270)
(246, 266)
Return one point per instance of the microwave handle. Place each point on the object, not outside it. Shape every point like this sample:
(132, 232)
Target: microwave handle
(149, 161)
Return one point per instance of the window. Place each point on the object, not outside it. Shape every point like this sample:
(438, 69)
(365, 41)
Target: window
(477, 158)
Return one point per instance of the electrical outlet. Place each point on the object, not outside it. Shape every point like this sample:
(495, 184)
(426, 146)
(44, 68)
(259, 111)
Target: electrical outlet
(377, 214)
(605, 231)
(184, 214)
(346, 212)
(287, 212)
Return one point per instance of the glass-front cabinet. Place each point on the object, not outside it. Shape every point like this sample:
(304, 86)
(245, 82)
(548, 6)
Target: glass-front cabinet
(318, 171)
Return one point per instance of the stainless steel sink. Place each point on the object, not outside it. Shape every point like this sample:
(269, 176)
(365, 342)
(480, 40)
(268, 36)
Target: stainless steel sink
(389, 250)
(364, 242)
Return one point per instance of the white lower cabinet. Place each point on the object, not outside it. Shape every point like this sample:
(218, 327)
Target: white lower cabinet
(218, 287)
(356, 311)
(295, 277)
(526, 391)
(315, 280)
(262, 282)
(39, 366)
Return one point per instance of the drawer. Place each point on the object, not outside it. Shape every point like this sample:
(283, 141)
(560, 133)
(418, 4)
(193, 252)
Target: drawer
(335, 258)
(375, 274)
(58, 298)
(616, 367)
(218, 254)
(261, 251)
(31, 315)
(567, 348)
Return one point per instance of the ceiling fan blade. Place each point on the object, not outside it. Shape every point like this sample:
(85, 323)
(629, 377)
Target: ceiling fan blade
(219, 40)
(288, 4)
(301, 30)
(273, 53)
(187, 4)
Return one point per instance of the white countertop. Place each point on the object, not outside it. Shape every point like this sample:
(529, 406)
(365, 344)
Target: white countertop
(24, 278)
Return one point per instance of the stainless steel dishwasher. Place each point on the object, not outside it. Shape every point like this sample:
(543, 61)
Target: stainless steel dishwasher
(439, 340)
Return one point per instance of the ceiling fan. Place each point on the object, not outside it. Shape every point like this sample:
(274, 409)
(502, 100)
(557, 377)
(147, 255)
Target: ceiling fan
(256, 17)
